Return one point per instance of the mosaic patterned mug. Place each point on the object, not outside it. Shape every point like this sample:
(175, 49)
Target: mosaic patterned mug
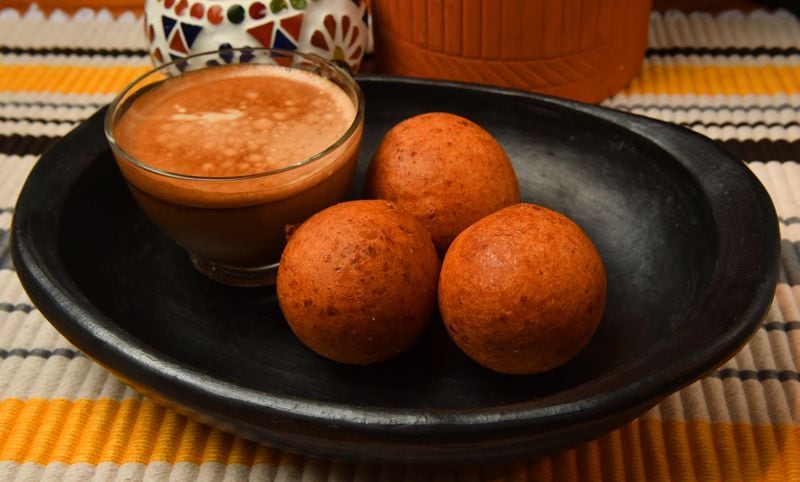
(332, 29)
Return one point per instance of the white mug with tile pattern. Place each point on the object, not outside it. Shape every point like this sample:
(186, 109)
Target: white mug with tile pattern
(332, 29)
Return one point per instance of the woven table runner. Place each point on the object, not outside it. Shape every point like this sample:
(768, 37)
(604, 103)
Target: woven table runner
(732, 77)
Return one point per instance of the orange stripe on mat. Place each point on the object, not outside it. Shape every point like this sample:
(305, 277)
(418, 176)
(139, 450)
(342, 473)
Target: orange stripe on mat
(67, 79)
(653, 79)
(94, 431)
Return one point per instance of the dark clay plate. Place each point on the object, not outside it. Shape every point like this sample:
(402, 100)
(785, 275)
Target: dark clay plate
(688, 236)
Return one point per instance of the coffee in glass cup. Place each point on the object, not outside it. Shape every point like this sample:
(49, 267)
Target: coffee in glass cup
(225, 150)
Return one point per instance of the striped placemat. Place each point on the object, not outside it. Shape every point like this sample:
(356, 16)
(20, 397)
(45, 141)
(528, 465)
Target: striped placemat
(733, 77)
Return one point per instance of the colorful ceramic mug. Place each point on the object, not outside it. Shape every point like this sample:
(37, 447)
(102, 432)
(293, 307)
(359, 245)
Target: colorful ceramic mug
(332, 29)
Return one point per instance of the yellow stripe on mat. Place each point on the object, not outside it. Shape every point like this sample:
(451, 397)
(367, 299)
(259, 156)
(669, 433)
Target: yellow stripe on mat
(67, 79)
(715, 79)
(653, 79)
(141, 431)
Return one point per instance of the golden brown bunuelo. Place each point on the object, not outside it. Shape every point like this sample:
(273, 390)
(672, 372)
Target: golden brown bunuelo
(357, 281)
(443, 169)
(522, 290)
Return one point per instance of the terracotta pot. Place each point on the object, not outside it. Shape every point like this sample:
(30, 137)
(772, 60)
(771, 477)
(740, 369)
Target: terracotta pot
(579, 49)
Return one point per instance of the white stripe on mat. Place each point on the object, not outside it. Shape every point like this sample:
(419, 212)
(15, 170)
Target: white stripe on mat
(28, 331)
(780, 114)
(729, 400)
(55, 112)
(791, 233)
(28, 128)
(60, 378)
(13, 172)
(782, 181)
(301, 470)
(625, 101)
(744, 133)
(89, 33)
(287, 469)
(48, 98)
(730, 29)
(682, 60)
(11, 291)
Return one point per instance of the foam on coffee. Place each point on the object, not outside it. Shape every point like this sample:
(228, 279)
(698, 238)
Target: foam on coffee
(234, 121)
(237, 120)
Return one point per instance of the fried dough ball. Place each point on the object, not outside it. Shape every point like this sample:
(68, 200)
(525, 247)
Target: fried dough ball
(522, 290)
(357, 281)
(443, 169)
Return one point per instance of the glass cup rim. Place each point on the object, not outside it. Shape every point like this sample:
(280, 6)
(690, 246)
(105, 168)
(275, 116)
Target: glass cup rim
(348, 134)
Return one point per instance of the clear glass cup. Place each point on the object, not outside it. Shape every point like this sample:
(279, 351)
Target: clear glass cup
(234, 226)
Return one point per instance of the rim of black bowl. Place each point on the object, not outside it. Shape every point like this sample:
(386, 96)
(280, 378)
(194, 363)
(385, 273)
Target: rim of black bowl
(745, 303)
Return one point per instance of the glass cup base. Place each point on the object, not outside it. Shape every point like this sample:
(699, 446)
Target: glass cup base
(235, 276)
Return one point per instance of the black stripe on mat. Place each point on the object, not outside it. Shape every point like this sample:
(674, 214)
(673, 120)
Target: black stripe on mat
(5, 253)
(55, 105)
(763, 149)
(703, 108)
(769, 125)
(790, 262)
(40, 353)
(21, 145)
(760, 375)
(786, 326)
(12, 308)
(9, 210)
(723, 51)
(39, 120)
(790, 220)
(82, 51)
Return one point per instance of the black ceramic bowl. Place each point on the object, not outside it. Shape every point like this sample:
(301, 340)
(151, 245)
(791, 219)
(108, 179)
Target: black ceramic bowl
(688, 236)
